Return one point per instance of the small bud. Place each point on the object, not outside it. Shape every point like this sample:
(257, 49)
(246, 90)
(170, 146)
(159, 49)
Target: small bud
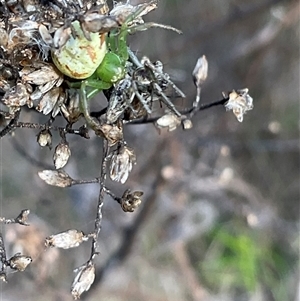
(187, 124)
(56, 178)
(19, 262)
(169, 121)
(200, 71)
(121, 164)
(83, 280)
(61, 155)
(44, 138)
(239, 102)
(66, 240)
(130, 201)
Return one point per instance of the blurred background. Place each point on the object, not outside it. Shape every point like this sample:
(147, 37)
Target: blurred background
(220, 213)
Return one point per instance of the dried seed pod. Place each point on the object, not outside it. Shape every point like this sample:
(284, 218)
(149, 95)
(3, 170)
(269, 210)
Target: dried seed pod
(44, 138)
(130, 201)
(61, 155)
(83, 280)
(66, 240)
(42, 75)
(112, 132)
(169, 121)
(48, 101)
(72, 111)
(56, 178)
(121, 164)
(19, 262)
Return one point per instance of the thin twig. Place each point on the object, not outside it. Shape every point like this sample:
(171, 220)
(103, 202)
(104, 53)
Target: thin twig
(98, 218)
(3, 260)
(188, 112)
(13, 124)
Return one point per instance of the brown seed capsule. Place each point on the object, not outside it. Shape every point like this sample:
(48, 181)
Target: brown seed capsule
(112, 132)
(130, 201)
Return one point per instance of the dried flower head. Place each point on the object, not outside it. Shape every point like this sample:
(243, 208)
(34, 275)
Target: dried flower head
(19, 262)
(56, 178)
(239, 102)
(130, 201)
(61, 155)
(121, 164)
(66, 240)
(83, 280)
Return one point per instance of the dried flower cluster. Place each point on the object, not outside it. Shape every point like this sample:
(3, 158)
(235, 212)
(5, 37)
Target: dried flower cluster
(55, 56)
